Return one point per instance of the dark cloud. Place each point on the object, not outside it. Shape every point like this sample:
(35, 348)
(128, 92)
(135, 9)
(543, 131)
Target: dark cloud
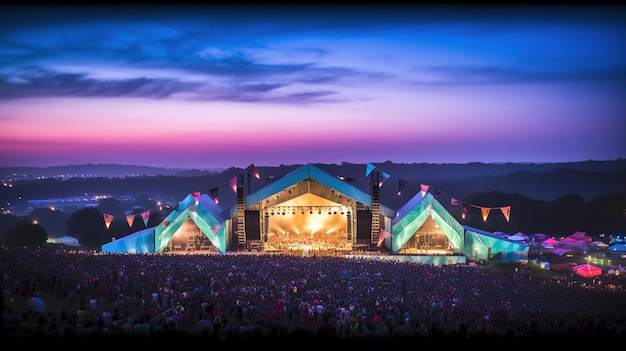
(489, 75)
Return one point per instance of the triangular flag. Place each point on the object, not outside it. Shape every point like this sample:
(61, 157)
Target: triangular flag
(130, 219)
(454, 201)
(437, 192)
(196, 196)
(401, 184)
(464, 211)
(424, 189)
(145, 215)
(166, 223)
(252, 170)
(108, 218)
(485, 212)
(215, 228)
(382, 180)
(213, 193)
(506, 211)
(370, 168)
(383, 235)
(233, 184)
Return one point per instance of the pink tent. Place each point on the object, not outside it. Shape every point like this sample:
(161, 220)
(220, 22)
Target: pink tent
(587, 270)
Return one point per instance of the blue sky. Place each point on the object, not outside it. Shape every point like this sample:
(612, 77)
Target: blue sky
(217, 86)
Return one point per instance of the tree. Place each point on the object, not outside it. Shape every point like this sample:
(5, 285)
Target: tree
(27, 234)
(87, 225)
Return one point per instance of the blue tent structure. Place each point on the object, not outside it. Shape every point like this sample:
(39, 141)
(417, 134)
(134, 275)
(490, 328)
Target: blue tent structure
(421, 226)
(412, 216)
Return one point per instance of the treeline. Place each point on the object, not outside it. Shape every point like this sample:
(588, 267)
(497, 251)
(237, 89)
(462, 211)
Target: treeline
(561, 217)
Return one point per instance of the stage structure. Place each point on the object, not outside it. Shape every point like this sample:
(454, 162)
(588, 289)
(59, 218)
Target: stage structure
(310, 212)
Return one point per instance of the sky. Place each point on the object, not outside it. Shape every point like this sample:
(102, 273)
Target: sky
(218, 86)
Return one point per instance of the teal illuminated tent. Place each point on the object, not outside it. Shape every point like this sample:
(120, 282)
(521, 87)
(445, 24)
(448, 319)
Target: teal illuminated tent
(204, 213)
(422, 207)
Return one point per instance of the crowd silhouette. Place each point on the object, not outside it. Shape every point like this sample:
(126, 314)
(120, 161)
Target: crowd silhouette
(239, 297)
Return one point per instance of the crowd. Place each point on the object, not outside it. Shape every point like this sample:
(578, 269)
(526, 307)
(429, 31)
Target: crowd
(242, 297)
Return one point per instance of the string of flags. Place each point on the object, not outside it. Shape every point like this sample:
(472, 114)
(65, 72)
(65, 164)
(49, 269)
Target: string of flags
(233, 183)
(424, 188)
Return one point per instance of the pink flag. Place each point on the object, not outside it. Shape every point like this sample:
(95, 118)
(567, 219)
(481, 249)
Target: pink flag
(215, 228)
(506, 211)
(383, 235)
(401, 184)
(454, 201)
(196, 196)
(130, 219)
(233, 184)
(145, 215)
(424, 189)
(108, 218)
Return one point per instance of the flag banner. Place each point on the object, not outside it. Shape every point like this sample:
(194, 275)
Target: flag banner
(454, 201)
(383, 235)
(215, 229)
(437, 193)
(252, 170)
(233, 184)
(401, 184)
(370, 168)
(464, 211)
(485, 212)
(213, 193)
(130, 219)
(108, 218)
(196, 196)
(145, 215)
(165, 223)
(382, 180)
(506, 211)
(424, 188)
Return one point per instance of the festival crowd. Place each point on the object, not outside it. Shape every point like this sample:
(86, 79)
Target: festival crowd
(242, 296)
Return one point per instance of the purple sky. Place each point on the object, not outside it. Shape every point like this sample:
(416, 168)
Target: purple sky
(212, 87)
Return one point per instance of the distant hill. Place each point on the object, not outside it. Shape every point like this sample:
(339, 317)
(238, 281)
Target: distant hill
(98, 170)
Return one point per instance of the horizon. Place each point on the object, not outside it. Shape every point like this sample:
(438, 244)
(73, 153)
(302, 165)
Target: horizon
(215, 87)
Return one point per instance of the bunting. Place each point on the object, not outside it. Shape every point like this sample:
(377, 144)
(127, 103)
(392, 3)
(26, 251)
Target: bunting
(196, 196)
(424, 189)
(485, 212)
(370, 168)
(215, 229)
(383, 235)
(165, 223)
(213, 193)
(506, 211)
(454, 202)
(108, 218)
(145, 215)
(130, 219)
(464, 211)
(382, 180)
(233, 184)
(252, 170)
(401, 185)
(437, 193)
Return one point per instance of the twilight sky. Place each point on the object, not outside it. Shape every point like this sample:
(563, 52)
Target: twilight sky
(213, 86)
